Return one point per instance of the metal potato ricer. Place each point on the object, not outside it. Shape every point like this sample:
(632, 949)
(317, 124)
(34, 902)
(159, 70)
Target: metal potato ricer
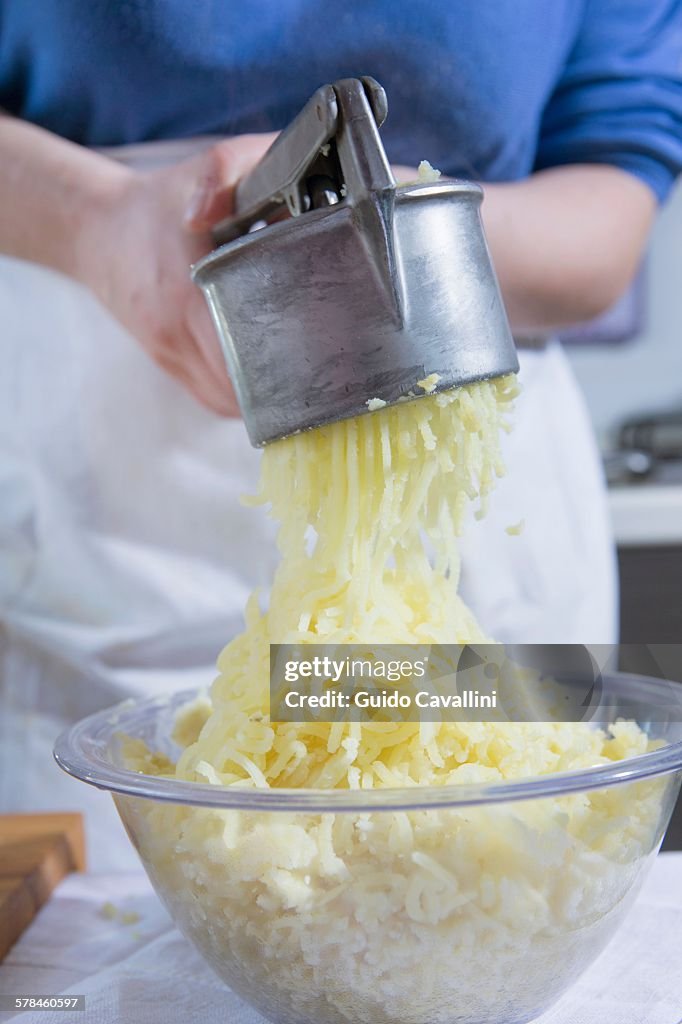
(332, 287)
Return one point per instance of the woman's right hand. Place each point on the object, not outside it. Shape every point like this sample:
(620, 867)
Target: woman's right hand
(134, 249)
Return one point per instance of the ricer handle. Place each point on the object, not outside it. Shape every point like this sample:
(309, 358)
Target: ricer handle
(334, 140)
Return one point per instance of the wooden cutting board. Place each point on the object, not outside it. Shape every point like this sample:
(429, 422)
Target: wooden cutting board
(36, 851)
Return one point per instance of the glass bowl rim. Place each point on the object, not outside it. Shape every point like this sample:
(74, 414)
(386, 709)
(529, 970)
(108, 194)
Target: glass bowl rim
(76, 752)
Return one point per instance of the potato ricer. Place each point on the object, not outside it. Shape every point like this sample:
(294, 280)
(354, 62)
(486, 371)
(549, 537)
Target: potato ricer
(332, 287)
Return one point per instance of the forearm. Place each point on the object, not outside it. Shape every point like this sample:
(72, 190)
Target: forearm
(566, 242)
(48, 188)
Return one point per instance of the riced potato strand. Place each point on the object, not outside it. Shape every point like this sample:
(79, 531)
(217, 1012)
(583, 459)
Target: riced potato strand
(370, 510)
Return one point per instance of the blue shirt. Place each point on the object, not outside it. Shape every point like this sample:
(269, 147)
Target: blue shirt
(489, 89)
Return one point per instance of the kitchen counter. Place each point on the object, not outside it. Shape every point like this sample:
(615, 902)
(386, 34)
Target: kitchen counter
(649, 513)
(147, 972)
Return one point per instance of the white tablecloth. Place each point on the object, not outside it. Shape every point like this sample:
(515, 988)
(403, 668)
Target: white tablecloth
(147, 973)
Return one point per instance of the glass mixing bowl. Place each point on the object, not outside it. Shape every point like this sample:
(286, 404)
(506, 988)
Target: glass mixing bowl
(468, 904)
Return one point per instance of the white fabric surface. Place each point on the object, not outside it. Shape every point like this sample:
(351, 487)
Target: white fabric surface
(147, 973)
(126, 558)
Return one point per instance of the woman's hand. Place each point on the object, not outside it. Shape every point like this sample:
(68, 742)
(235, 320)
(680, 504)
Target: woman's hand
(129, 237)
(134, 250)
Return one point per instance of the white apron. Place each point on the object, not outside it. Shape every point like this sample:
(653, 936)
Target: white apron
(126, 558)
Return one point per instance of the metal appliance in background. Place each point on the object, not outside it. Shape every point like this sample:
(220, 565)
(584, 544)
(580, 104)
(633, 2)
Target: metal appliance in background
(332, 286)
(648, 448)
(660, 434)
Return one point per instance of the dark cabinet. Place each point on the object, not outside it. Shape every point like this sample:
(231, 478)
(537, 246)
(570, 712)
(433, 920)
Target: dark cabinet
(651, 613)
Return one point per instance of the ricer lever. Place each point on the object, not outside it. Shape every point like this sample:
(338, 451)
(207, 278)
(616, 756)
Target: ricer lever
(306, 167)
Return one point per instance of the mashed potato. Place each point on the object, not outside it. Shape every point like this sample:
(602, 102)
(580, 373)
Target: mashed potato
(477, 914)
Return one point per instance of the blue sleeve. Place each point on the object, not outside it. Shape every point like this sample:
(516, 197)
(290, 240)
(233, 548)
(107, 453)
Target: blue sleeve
(619, 100)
